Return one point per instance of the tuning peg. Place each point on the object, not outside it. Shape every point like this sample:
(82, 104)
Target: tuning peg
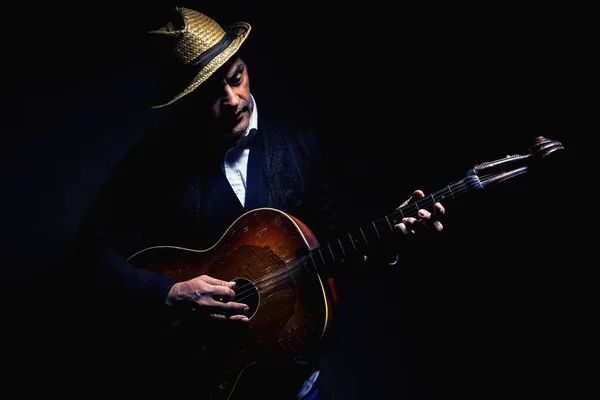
(542, 147)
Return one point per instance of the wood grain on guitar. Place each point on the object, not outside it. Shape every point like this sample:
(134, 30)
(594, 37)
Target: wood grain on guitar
(277, 263)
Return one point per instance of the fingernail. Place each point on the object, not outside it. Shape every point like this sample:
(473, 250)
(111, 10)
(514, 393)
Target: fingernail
(422, 213)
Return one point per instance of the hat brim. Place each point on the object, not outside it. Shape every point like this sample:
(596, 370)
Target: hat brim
(174, 83)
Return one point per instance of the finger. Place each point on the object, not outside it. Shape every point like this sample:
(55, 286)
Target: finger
(223, 317)
(438, 213)
(217, 282)
(439, 209)
(217, 316)
(231, 310)
(222, 293)
(424, 214)
(233, 307)
(409, 221)
(431, 219)
(406, 225)
(417, 194)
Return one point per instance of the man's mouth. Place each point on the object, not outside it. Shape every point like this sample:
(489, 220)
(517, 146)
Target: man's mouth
(240, 114)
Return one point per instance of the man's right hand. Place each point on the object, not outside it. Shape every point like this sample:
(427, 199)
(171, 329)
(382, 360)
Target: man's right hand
(209, 296)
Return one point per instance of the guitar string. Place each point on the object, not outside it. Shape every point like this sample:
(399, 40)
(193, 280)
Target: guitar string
(273, 279)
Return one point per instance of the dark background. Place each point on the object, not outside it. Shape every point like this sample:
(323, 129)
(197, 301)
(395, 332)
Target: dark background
(409, 97)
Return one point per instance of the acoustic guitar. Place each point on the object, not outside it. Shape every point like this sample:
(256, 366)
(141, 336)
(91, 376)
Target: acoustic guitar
(277, 263)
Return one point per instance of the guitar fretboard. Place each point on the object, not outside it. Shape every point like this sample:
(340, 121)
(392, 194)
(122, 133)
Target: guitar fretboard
(360, 238)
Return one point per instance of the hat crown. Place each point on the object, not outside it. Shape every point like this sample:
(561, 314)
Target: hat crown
(189, 34)
(191, 47)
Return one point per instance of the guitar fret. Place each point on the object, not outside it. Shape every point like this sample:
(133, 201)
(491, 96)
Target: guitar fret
(341, 247)
(331, 251)
(352, 240)
(322, 258)
(451, 193)
(364, 236)
(376, 230)
(387, 219)
(313, 261)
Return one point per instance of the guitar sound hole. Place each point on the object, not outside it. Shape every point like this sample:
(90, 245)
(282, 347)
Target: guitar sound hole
(247, 293)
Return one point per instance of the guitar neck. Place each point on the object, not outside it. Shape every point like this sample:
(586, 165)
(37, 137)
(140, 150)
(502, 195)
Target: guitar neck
(374, 231)
(477, 178)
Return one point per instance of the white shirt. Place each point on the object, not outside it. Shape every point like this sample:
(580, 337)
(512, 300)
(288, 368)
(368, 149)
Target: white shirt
(236, 160)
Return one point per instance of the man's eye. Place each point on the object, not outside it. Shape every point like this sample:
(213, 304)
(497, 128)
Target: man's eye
(236, 79)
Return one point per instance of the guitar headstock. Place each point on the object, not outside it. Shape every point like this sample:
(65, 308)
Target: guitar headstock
(541, 148)
(514, 165)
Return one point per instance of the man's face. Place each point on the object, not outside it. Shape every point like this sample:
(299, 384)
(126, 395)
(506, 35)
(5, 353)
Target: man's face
(227, 93)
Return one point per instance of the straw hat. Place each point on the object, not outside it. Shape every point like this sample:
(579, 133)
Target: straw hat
(194, 47)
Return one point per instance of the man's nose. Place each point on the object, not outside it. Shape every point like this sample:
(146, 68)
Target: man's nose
(231, 98)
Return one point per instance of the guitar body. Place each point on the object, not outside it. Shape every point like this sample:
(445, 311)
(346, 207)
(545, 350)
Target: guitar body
(291, 307)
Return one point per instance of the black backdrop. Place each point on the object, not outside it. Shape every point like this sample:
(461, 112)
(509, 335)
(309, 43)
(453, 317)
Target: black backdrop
(410, 97)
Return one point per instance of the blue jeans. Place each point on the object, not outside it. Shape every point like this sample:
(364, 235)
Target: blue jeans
(313, 394)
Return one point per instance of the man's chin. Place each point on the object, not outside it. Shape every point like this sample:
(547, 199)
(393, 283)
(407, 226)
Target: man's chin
(236, 131)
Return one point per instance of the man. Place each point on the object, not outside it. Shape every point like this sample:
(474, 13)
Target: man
(223, 182)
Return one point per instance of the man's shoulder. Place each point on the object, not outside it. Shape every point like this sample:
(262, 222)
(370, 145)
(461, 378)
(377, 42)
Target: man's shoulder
(280, 131)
